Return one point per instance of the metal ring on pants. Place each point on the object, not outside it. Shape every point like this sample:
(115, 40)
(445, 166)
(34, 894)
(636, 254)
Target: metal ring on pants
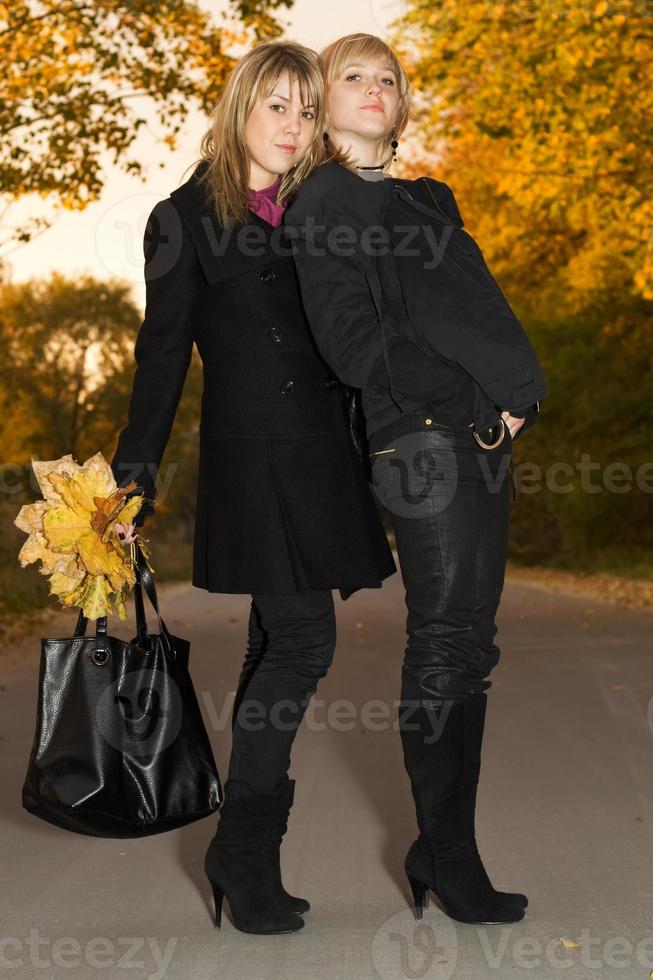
(492, 445)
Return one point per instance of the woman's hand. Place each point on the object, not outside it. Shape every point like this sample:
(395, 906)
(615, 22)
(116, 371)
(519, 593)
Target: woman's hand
(514, 424)
(126, 532)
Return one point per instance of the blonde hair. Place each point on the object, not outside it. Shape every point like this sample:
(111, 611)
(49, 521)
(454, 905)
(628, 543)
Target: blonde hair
(358, 47)
(223, 145)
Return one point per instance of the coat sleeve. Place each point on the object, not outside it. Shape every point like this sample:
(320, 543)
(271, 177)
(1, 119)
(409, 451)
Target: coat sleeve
(530, 415)
(344, 319)
(419, 376)
(335, 291)
(162, 351)
(448, 201)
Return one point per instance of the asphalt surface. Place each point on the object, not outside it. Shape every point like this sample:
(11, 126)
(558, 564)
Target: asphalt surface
(565, 814)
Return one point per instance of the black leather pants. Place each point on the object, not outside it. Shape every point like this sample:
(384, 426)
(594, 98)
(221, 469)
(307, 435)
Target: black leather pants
(449, 500)
(291, 643)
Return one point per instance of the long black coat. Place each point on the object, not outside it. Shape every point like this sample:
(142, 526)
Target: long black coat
(282, 500)
(422, 278)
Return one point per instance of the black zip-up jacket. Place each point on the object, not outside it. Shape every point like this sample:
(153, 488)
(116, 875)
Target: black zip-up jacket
(367, 289)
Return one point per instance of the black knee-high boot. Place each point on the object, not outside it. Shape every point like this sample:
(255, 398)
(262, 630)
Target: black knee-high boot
(240, 864)
(282, 798)
(417, 858)
(475, 708)
(281, 801)
(434, 737)
(285, 798)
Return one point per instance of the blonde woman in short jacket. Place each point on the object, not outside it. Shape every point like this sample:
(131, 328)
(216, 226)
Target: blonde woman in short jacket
(403, 306)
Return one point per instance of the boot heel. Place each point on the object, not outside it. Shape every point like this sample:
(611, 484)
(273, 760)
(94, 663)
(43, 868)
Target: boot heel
(218, 895)
(420, 896)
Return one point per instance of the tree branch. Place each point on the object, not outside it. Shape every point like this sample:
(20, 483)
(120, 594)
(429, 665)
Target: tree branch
(50, 13)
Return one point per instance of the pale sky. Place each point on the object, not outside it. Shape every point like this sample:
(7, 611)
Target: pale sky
(106, 238)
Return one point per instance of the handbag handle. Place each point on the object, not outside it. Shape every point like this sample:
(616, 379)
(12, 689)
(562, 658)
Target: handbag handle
(143, 578)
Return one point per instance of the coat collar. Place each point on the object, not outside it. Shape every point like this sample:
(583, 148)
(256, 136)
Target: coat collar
(366, 200)
(331, 189)
(225, 252)
(413, 192)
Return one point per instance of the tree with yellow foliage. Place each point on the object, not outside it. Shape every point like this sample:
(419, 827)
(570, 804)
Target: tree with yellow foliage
(76, 76)
(540, 115)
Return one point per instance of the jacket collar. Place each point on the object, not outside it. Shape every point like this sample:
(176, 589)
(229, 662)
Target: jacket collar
(366, 200)
(331, 188)
(225, 252)
(413, 192)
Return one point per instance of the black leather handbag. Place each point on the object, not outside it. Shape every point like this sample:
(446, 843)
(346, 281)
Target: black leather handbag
(120, 748)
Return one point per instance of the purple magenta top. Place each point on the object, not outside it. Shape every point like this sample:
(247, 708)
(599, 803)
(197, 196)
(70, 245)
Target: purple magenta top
(263, 203)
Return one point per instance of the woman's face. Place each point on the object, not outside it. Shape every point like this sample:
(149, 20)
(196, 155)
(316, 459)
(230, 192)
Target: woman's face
(278, 132)
(363, 100)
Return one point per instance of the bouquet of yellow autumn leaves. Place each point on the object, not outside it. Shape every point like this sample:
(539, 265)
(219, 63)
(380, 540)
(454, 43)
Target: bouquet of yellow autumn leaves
(73, 532)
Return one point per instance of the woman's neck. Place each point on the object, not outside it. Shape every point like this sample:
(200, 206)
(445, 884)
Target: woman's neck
(259, 178)
(363, 152)
(371, 174)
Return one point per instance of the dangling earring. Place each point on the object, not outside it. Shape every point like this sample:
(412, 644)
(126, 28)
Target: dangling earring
(394, 144)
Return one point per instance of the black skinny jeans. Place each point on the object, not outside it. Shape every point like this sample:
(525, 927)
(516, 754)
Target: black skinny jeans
(290, 646)
(449, 501)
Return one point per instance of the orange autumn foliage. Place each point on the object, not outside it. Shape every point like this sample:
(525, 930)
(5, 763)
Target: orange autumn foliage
(539, 116)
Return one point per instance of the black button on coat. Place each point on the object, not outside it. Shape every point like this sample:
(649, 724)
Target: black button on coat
(282, 500)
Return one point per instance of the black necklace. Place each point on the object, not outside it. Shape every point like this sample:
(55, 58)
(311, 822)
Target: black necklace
(381, 166)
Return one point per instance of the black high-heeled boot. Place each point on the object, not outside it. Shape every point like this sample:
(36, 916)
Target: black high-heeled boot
(284, 795)
(438, 767)
(282, 798)
(418, 857)
(238, 863)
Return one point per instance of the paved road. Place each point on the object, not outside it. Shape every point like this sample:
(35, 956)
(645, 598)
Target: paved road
(565, 814)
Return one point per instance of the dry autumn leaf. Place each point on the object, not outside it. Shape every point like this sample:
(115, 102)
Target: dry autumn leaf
(570, 944)
(71, 532)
